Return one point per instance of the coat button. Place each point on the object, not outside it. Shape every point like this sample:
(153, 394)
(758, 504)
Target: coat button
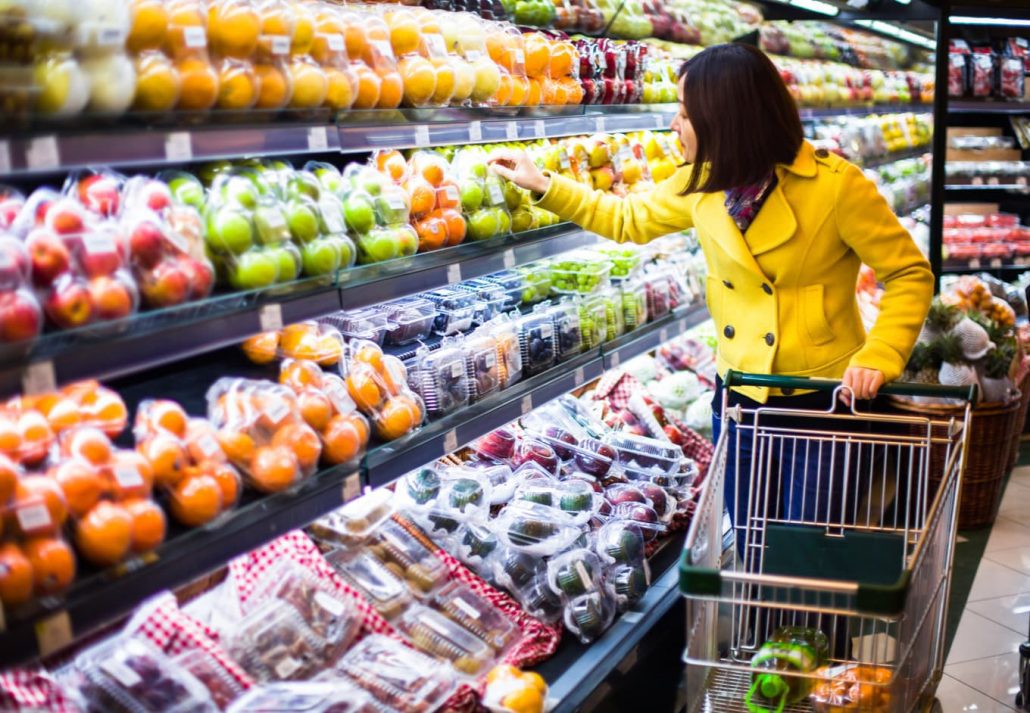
(822, 153)
(729, 331)
(729, 285)
(766, 289)
(787, 391)
(770, 339)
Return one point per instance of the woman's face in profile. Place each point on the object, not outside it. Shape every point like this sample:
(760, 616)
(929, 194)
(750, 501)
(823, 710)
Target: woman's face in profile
(682, 126)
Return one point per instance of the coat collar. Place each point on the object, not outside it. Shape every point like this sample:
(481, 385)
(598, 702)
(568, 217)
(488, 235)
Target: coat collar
(803, 165)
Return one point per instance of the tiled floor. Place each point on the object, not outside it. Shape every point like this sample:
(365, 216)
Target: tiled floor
(981, 673)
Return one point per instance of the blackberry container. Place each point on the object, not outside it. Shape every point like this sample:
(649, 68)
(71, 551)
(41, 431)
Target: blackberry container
(512, 284)
(491, 299)
(536, 342)
(440, 378)
(411, 320)
(567, 334)
(481, 365)
(455, 310)
(369, 324)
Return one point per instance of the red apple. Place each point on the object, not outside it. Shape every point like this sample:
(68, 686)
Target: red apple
(201, 277)
(112, 298)
(146, 243)
(48, 254)
(66, 217)
(20, 316)
(99, 254)
(156, 195)
(69, 304)
(9, 209)
(99, 193)
(167, 284)
(14, 263)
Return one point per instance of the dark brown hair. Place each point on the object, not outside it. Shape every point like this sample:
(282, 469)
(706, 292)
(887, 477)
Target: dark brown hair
(745, 120)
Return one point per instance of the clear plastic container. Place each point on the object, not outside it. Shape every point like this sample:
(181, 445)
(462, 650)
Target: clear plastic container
(589, 615)
(498, 445)
(537, 451)
(504, 331)
(380, 585)
(621, 542)
(273, 643)
(645, 516)
(397, 676)
(536, 342)
(575, 497)
(442, 638)
(131, 675)
(568, 335)
(474, 543)
(625, 262)
(370, 324)
(634, 303)
(536, 530)
(536, 282)
(537, 598)
(575, 573)
(336, 696)
(411, 320)
(222, 687)
(491, 299)
(419, 488)
(439, 377)
(593, 321)
(513, 284)
(466, 491)
(355, 521)
(481, 365)
(579, 272)
(421, 569)
(628, 582)
(476, 615)
(643, 453)
(455, 310)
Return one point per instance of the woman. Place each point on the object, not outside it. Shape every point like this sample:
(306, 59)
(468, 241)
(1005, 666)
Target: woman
(784, 229)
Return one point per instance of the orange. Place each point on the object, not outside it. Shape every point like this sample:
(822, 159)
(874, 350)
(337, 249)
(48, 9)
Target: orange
(275, 18)
(148, 524)
(53, 563)
(446, 78)
(391, 90)
(81, 391)
(343, 438)
(300, 373)
(519, 91)
(354, 36)
(149, 21)
(329, 347)
(448, 195)
(399, 415)
(35, 434)
(404, 32)
(274, 468)
(392, 164)
(330, 35)
(275, 86)
(503, 95)
(433, 169)
(342, 89)
(62, 414)
(228, 481)
(237, 445)
(276, 409)
(32, 491)
(107, 411)
(238, 85)
(423, 197)
(497, 43)
(369, 353)
(303, 441)
(16, 579)
(432, 234)
(261, 348)
(199, 84)
(90, 444)
(456, 227)
(563, 54)
(202, 442)
(104, 535)
(9, 474)
(303, 27)
(363, 387)
(131, 474)
(10, 441)
(233, 27)
(157, 82)
(538, 55)
(196, 500)
(393, 374)
(315, 408)
(310, 84)
(419, 78)
(166, 456)
(535, 92)
(81, 484)
(168, 416)
(573, 90)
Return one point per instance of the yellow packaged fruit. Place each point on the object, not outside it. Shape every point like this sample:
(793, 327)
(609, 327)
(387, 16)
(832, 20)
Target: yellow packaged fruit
(276, 85)
(310, 84)
(464, 80)
(233, 28)
(112, 82)
(487, 79)
(238, 84)
(367, 86)
(341, 83)
(187, 28)
(391, 89)
(64, 90)
(419, 79)
(199, 82)
(148, 25)
(446, 79)
(157, 82)
(303, 28)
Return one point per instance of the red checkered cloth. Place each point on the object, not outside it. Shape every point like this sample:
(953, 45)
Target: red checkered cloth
(616, 387)
(166, 626)
(24, 690)
(697, 447)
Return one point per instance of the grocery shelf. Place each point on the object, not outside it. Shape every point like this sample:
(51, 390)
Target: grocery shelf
(896, 156)
(808, 114)
(985, 266)
(955, 193)
(151, 339)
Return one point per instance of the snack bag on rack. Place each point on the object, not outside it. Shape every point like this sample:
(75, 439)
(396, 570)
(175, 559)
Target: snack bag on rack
(853, 687)
(234, 32)
(435, 202)
(187, 461)
(377, 211)
(262, 431)
(378, 385)
(482, 195)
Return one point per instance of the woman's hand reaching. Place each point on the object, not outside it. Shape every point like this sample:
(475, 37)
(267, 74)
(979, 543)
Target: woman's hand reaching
(518, 167)
(864, 383)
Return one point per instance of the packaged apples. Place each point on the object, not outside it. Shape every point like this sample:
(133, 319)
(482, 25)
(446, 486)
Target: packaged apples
(377, 211)
(378, 385)
(21, 316)
(481, 194)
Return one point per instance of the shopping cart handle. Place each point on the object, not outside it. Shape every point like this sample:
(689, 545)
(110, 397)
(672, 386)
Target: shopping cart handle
(771, 381)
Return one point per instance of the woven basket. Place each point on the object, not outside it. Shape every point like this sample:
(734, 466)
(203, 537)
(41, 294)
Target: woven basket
(987, 456)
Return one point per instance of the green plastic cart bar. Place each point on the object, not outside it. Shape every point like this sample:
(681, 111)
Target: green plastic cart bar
(799, 383)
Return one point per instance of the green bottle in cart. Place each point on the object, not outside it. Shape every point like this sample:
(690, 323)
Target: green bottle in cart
(791, 649)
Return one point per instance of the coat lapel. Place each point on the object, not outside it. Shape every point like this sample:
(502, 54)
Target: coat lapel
(775, 223)
(711, 216)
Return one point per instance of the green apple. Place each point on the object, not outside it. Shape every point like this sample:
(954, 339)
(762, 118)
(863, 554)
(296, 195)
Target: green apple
(186, 189)
(253, 270)
(303, 183)
(407, 239)
(359, 213)
(483, 224)
(513, 195)
(377, 245)
(239, 190)
(270, 224)
(302, 219)
(328, 176)
(392, 206)
(320, 257)
(523, 219)
(471, 196)
(503, 221)
(210, 171)
(287, 261)
(229, 230)
(346, 248)
(478, 170)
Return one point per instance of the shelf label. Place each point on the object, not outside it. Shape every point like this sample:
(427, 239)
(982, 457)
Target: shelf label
(194, 37)
(351, 487)
(660, 122)
(539, 128)
(616, 360)
(39, 378)
(579, 376)
(421, 135)
(271, 318)
(663, 335)
(527, 404)
(996, 262)
(5, 156)
(453, 273)
(318, 138)
(450, 441)
(42, 153)
(179, 146)
(53, 633)
(475, 131)
(509, 258)
(993, 181)
(599, 125)
(511, 130)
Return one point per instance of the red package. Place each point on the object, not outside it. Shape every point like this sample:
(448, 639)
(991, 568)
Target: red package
(1011, 77)
(982, 72)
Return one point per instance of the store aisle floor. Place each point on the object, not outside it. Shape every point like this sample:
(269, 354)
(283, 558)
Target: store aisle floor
(981, 672)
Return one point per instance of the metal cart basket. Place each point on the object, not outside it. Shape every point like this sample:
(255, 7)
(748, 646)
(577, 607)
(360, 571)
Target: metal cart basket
(868, 565)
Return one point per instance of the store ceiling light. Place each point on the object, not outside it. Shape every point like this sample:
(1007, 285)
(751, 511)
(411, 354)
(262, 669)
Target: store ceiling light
(886, 28)
(823, 8)
(969, 20)
(903, 2)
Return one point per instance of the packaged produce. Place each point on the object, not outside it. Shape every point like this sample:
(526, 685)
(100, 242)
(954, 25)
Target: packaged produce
(536, 342)
(368, 324)
(789, 649)
(370, 576)
(575, 497)
(634, 303)
(481, 365)
(504, 331)
(475, 544)
(378, 386)
(537, 282)
(455, 310)
(481, 194)
(589, 615)
(410, 320)
(615, 326)
(442, 638)
(21, 316)
(534, 529)
(568, 335)
(273, 643)
(356, 521)
(644, 455)
(593, 320)
(537, 452)
(435, 194)
(400, 550)
(514, 285)
(852, 687)
(621, 542)
(440, 378)
(491, 299)
(324, 696)
(397, 676)
(378, 211)
(203, 666)
(628, 583)
(509, 689)
(476, 615)
(575, 573)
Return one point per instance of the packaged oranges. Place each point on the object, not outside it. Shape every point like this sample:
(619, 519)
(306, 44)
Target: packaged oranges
(304, 340)
(327, 407)
(378, 385)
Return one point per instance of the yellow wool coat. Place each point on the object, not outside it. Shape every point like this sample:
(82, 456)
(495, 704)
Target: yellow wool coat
(782, 295)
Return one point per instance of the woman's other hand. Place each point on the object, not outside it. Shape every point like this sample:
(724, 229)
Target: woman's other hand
(518, 167)
(864, 383)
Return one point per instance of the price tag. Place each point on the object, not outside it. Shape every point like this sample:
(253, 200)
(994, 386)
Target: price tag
(39, 378)
(53, 633)
(465, 608)
(335, 42)
(663, 335)
(1021, 181)
(276, 410)
(977, 181)
(208, 446)
(287, 667)
(616, 360)
(271, 318)
(33, 517)
(496, 195)
(539, 128)
(475, 131)
(660, 122)
(194, 37)
(563, 159)
(383, 47)
(95, 243)
(128, 476)
(351, 487)
(339, 397)
(509, 258)
(450, 192)
(179, 146)
(512, 131)
(996, 262)
(527, 404)
(473, 55)
(331, 604)
(110, 36)
(5, 157)
(333, 220)
(396, 202)
(280, 45)
(974, 263)
(599, 125)
(578, 377)
(421, 135)
(436, 44)
(453, 273)
(318, 138)
(42, 153)
(520, 57)
(121, 673)
(993, 181)
(450, 441)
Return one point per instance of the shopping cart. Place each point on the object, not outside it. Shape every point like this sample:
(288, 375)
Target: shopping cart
(871, 570)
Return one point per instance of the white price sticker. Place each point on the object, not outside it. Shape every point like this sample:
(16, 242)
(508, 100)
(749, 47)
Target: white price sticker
(179, 146)
(208, 446)
(435, 43)
(563, 159)
(39, 378)
(539, 128)
(509, 258)
(496, 195)
(110, 36)
(277, 410)
(128, 476)
(53, 633)
(339, 397)
(121, 673)
(599, 125)
(331, 604)
(616, 360)
(287, 667)
(42, 153)
(584, 576)
(383, 48)
(473, 55)
(5, 157)
(579, 376)
(33, 517)
(318, 138)
(421, 135)
(98, 243)
(527, 404)
(520, 57)
(450, 441)
(547, 330)
(271, 318)
(663, 335)
(457, 368)
(335, 42)
(351, 487)
(333, 217)
(475, 131)
(490, 360)
(465, 608)
(194, 37)
(280, 44)
(451, 193)
(396, 202)
(511, 130)
(453, 273)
